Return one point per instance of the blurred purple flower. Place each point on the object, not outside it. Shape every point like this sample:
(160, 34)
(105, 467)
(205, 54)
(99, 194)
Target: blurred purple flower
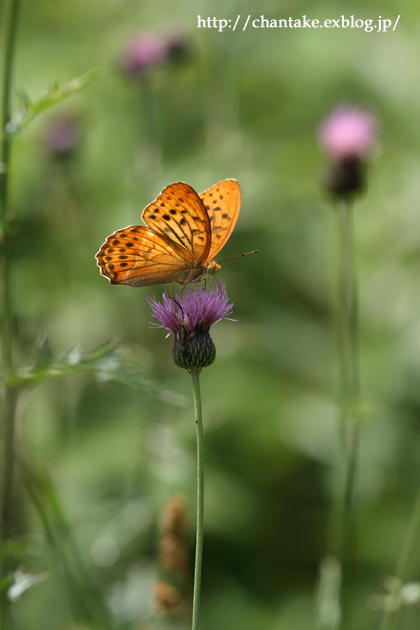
(148, 50)
(189, 316)
(349, 132)
(143, 52)
(347, 136)
(62, 137)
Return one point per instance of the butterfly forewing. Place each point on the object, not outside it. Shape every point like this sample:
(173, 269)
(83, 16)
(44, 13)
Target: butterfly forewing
(140, 257)
(223, 203)
(180, 216)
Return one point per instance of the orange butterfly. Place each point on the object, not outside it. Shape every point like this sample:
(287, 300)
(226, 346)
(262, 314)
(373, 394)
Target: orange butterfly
(183, 232)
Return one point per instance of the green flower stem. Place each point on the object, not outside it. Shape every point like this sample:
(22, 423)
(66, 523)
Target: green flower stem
(343, 533)
(200, 498)
(7, 454)
(6, 143)
(408, 556)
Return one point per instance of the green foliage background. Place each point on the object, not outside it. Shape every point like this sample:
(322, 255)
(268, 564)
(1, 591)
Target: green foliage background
(245, 105)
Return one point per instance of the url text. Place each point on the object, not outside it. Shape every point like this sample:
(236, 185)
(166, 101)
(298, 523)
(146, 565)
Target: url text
(379, 25)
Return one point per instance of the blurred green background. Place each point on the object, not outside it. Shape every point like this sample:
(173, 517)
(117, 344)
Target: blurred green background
(236, 104)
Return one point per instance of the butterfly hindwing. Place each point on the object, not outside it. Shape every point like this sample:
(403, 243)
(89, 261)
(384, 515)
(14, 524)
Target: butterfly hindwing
(140, 257)
(179, 215)
(223, 204)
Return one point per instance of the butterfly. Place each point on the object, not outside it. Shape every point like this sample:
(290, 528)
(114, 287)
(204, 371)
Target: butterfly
(183, 232)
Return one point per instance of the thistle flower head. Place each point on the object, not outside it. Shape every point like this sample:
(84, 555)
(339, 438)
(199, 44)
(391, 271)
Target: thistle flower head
(62, 137)
(189, 316)
(143, 52)
(349, 132)
(148, 50)
(347, 136)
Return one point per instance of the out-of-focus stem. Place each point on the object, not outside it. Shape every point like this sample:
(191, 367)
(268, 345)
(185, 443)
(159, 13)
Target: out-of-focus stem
(7, 454)
(343, 525)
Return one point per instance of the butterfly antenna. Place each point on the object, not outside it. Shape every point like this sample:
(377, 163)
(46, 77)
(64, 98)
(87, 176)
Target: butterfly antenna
(255, 251)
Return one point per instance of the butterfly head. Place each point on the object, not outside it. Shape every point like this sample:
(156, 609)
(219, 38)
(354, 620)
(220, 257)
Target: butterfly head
(213, 268)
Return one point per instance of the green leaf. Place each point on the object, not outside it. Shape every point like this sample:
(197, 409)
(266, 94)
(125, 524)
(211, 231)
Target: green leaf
(106, 363)
(55, 95)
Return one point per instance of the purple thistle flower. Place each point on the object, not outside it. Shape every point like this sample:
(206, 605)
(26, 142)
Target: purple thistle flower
(347, 136)
(189, 316)
(62, 137)
(348, 132)
(143, 52)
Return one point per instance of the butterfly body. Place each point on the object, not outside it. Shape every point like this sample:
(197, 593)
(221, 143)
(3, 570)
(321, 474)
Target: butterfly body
(183, 232)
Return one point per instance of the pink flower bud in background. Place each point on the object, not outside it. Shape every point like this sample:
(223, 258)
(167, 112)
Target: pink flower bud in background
(62, 137)
(143, 52)
(149, 50)
(348, 132)
(347, 136)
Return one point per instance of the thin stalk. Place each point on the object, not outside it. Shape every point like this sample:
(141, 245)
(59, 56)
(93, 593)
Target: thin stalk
(7, 455)
(200, 498)
(343, 527)
(407, 558)
(5, 147)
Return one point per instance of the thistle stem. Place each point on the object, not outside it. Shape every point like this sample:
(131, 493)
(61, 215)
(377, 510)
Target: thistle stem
(344, 514)
(7, 455)
(200, 498)
(408, 555)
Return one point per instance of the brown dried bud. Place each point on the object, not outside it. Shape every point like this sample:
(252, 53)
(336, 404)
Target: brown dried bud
(174, 556)
(168, 599)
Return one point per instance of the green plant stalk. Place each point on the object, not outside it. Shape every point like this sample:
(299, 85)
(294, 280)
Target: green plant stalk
(343, 526)
(200, 498)
(408, 556)
(6, 144)
(10, 397)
